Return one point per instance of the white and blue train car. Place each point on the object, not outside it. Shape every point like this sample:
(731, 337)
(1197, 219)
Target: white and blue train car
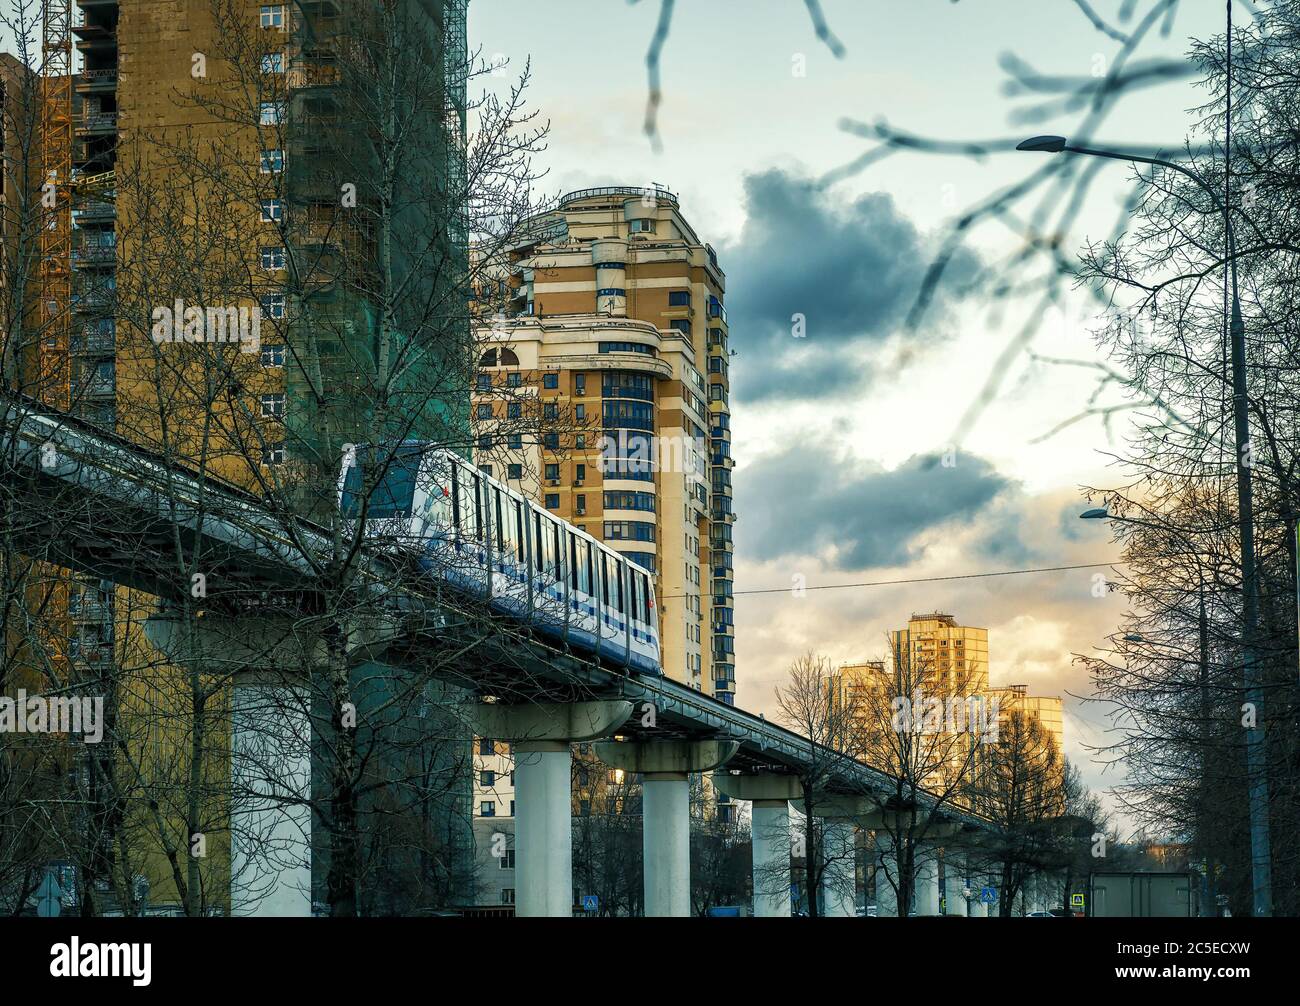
(478, 535)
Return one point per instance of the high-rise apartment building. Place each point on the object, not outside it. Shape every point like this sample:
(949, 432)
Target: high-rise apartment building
(953, 657)
(212, 152)
(604, 394)
(1046, 710)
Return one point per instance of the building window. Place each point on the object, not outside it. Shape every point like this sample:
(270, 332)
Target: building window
(272, 406)
(515, 441)
(272, 162)
(629, 530)
(485, 746)
(487, 778)
(550, 411)
(626, 347)
(629, 501)
(273, 305)
(551, 441)
(507, 895)
(273, 258)
(271, 113)
(484, 411)
(513, 380)
(272, 211)
(272, 15)
(553, 472)
(514, 472)
(273, 356)
(552, 501)
(273, 454)
(506, 862)
(551, 381)
(642, 225)
(579, 384)
(681, 325)
(273, 62)
(514, 410)
(679, 298)
(486, 470)
(484, 382)
(487, 808)
(484, 442)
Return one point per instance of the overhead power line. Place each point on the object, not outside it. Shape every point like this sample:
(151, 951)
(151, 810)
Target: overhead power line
(916, 579)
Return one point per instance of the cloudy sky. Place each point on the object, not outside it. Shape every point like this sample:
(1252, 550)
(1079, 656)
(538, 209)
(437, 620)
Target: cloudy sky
(854, 464)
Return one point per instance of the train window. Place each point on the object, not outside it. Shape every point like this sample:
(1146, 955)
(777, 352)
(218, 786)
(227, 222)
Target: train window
(645, 597)
(634, 595)
(393, 491)
(501, 534)
(604, 578)
(455, 497)
(521, 543)
(480, 511)
(573, 561)
(588, 558)
(619, 568)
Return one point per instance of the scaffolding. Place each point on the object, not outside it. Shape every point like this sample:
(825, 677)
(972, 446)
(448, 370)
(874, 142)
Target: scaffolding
(56, 201)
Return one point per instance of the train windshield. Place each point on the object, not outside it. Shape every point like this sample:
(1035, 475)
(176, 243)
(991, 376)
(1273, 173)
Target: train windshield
(393, 494)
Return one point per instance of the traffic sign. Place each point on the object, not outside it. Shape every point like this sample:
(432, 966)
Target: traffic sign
(989, 895)
(1076, 900)
(590, 903)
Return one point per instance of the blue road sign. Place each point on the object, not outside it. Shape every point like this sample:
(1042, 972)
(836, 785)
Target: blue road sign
(590, 903)
(988, 895)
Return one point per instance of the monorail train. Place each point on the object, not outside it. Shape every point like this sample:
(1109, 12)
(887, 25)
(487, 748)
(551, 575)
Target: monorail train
(481, 536)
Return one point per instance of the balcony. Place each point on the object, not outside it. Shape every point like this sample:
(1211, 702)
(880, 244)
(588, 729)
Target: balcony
(94, 255)
(97, 124)
(92, 301)
(101, 81)
(94, 387)
(95, 36)
(94, 211)
(90, 342)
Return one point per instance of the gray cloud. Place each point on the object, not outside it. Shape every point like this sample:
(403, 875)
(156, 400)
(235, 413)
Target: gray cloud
(800, 502)
(852, 269)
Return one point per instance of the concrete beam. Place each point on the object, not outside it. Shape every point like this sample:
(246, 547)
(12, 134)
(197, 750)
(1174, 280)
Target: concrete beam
(560, 721)
(666, 757)
(758, 787)
(218, 644)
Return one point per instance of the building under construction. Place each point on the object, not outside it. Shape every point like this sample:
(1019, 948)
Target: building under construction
(215, 153)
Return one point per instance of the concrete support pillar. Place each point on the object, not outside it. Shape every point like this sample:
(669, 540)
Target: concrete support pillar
(927, 880)
(270, 811)
(839, 878)
(886, 876)
(666, 844)
(771, 841)
(665, 812)
(770, 796)
(268, 657)
(954, 884)
(543, 829)
(541, 734)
